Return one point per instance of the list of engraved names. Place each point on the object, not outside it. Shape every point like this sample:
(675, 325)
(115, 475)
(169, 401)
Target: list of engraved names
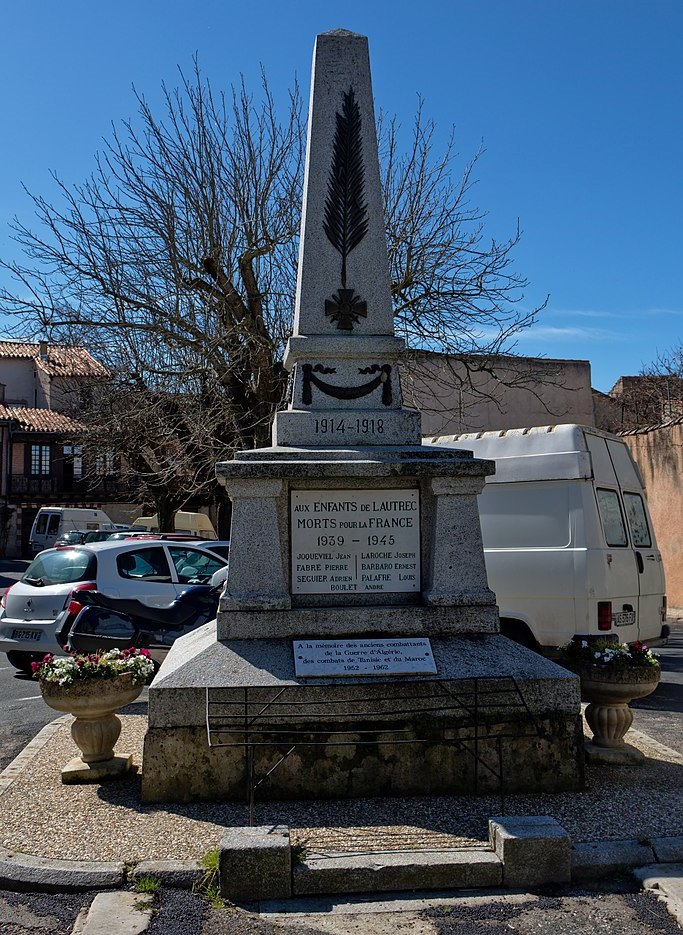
(355, 541)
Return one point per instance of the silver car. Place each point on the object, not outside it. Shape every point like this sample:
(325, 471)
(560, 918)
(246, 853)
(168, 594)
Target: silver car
(152, 571)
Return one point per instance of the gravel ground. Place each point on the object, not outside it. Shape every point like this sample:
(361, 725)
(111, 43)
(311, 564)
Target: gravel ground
(40, 816)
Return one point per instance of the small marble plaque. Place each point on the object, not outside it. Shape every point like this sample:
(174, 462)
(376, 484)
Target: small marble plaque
(347, 658)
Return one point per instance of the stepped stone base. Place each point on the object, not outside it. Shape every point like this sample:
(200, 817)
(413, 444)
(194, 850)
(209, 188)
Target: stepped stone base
(529, 730)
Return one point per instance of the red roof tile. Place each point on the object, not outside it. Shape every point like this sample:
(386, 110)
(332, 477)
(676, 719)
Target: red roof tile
(40, 420)
(61, 361)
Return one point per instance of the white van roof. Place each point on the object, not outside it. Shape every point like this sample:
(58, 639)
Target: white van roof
(546, 452)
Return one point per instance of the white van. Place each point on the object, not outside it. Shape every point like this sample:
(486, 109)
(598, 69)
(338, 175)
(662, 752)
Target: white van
(568, 539)
(193, 524)
(53, 521)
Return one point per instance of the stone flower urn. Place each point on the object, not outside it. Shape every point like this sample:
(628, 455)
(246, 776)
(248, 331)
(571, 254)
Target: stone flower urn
(609, 692)
(96, 728)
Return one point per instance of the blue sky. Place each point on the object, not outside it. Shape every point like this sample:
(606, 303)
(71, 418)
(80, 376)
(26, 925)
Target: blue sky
(578, 104)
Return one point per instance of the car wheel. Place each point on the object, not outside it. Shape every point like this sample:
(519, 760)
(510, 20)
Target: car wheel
(22, 661)
(519, 632)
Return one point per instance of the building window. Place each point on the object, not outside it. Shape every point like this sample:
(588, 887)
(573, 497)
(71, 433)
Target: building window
(40, 459)
(104, 463)
(74, 454)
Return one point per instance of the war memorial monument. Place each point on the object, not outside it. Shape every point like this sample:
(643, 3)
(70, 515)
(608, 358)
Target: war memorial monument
(357, 648)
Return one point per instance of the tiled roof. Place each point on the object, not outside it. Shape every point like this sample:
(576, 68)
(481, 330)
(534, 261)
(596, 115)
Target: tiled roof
(39, 420)
(61, 361)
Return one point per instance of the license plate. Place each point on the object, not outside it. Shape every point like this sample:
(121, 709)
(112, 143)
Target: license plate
(26, 634)
(624, 619)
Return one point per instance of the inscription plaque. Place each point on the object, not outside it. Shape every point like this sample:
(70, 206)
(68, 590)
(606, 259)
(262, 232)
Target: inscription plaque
(355, 541)
(316, 658)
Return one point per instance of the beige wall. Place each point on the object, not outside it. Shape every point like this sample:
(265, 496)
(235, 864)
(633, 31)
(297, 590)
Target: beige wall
(519, 392)
(18, 375)
(659, 455)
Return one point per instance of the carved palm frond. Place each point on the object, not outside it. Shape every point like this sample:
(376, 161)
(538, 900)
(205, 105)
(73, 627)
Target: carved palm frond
(346, 212)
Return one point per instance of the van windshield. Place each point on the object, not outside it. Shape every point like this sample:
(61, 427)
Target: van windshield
(61, 566)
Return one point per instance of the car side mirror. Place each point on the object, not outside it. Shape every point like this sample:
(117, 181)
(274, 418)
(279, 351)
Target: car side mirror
(219, 577)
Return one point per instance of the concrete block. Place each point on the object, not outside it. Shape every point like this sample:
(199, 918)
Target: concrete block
(255, 863)
(117, 913)
(668, 850)
(594, 860)
(77, 771)
(392, 871)
(534, 849)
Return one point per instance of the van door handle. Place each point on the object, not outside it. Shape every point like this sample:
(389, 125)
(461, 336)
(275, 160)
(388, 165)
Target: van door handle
(640, 563)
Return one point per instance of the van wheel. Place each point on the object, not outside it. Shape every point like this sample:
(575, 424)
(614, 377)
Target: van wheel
(519, 632)
(22, 661)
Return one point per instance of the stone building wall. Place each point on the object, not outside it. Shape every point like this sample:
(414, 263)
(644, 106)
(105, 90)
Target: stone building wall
(658, 452)
(483, 394)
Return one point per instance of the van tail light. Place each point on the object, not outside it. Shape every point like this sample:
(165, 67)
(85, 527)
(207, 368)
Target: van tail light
(3, 599)
(662, 610)
(604, 615)
(72, 604)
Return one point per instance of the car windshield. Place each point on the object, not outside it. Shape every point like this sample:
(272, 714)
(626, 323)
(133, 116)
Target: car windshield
(61, 567)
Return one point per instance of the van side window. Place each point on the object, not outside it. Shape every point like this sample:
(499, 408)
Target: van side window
(612, 520)
(41, 525)
(637, 520)
(53, 524)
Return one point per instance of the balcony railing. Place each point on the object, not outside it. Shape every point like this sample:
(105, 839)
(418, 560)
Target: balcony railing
(96, 487)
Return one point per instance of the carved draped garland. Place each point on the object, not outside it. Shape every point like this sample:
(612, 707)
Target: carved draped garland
(383, 379)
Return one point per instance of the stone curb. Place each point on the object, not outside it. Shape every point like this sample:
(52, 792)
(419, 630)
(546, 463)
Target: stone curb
(181, 874)
(595, 860)
(45, 875)
(590, 861)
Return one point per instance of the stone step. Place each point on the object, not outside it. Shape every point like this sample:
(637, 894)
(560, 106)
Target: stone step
(456, 868)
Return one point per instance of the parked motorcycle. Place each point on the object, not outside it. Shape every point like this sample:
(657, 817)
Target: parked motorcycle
(123, 623)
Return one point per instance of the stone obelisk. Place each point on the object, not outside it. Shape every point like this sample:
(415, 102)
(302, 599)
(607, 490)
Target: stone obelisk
(343, 351)
(356, 633)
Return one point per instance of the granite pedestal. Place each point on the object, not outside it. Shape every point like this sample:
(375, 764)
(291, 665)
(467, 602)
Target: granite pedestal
(348, 528)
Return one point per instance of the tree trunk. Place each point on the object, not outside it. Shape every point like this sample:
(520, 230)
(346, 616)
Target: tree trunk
(166, 515)
(224, 517)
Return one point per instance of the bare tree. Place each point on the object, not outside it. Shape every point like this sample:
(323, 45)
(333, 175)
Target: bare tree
(175, 262)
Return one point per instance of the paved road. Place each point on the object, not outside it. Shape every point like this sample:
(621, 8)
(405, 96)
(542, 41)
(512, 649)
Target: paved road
(661, 714)
(621, 911)
(23, 710)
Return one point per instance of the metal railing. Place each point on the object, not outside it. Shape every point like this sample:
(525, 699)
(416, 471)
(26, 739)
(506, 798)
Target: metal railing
(442, 713)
